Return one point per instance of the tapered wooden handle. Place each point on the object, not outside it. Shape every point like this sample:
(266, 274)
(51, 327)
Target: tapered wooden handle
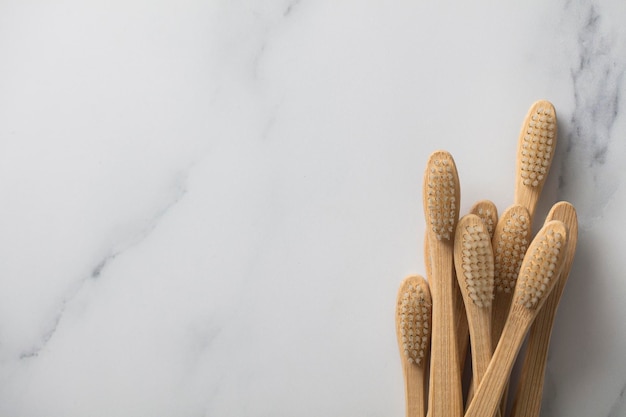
(487, 396)
(529, 393)
(414, 390)
(445, 397)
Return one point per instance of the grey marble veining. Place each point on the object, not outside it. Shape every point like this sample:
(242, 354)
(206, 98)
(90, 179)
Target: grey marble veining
(597, 75)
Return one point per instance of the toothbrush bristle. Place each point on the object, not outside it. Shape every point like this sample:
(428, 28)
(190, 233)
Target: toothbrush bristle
(441, 188)
(477, 263)
(537, 145)
(414, 318)
(486, 216)
(509, 245)
(541, 266)
(488, 213)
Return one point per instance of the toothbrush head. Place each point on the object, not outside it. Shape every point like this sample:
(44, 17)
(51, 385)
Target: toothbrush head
(413, 320)
(537, 141)
(542, 264)
(488, 213)
(441, 195)
(474, 260)
(510, 242)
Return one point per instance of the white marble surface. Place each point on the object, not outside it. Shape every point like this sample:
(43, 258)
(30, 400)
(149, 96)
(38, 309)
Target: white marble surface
(207, 207)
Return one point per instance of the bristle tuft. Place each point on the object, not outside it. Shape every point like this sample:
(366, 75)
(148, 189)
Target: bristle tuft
(538, 142)
(486, 215)
(442, 204)
(541, 269)
(414, 323)
(477, 264)
(509, 249)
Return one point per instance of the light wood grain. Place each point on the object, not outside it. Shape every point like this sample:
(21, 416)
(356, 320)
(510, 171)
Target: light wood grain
(527, 402)
(461, 326)
(535, 150)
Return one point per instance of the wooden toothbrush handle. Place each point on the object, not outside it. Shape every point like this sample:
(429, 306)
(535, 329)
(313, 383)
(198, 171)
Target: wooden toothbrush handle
(527, 402)
(445, 395)
(488, 394)
(414, 391)
(501, 305)
(461, 325)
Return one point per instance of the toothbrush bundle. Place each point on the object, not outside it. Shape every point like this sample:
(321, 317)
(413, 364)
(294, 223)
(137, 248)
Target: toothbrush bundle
(489, 284)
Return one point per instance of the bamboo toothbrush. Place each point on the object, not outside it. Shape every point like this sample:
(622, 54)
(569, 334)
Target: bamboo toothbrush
(413, 321)
(510, 241)
(527, 401)
(488, 213)
(441, 202)
(473, 258)
(536, 279)
(534, 153)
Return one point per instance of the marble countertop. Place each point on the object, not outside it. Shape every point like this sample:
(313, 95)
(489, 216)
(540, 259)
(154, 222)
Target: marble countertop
(208, 207)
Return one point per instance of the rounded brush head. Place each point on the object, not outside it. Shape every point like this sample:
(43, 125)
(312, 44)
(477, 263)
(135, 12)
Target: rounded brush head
(537, 142)
(474, 260)
(441, 195)
(413, 319)
(542, 264)
(565, 212)
(510, 242)
(488, 213)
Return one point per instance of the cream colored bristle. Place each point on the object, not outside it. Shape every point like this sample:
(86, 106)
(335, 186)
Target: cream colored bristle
(510, 246)
(414, 316)
(488, 213)
(540, 269)
(538, 145)
(441, 197)
(486, 216)
(477, 264)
